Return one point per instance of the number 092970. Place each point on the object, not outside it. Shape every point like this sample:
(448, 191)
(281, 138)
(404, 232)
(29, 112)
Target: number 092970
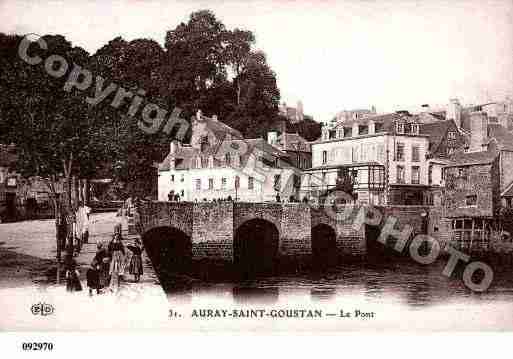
(37, 346)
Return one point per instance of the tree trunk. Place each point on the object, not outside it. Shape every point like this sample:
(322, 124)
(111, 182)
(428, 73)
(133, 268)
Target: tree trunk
(87, 192)
(68, 191)
(75, 193)
(80, 191)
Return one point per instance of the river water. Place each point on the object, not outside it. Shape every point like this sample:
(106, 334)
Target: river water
(402, 295)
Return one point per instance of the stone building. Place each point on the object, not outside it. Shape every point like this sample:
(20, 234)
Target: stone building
(220, 163)
(478, 183)
(387, 157)
(21, 198)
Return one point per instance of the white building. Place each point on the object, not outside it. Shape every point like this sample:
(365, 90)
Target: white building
(386, 155)
(219, 163)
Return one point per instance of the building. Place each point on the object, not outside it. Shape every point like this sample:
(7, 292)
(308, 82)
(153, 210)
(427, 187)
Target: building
(22, 198)
(219, 164)
(353, 115)
(296, 147)
(479, 182)
(293, 114)
(385, 155)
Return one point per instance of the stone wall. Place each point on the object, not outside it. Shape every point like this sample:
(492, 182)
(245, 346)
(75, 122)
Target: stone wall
(212, 234)
(480, 180)
(295, 239)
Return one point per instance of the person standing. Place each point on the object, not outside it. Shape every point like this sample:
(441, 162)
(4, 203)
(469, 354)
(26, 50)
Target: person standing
(117, 254)
(93, 278)
(103, 259)
(72, 275)
(135, 268)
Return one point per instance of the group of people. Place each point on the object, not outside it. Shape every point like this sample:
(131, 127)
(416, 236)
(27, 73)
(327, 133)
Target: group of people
(108, 266)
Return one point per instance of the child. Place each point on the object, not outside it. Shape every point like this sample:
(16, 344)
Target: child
(72, 275)
(93, 278)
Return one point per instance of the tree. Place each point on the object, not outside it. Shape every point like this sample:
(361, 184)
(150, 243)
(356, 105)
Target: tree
(53, 130)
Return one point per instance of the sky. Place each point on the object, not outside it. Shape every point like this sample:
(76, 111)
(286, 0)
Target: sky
(331, 55)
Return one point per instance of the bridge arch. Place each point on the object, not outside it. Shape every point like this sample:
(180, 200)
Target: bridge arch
(324, 245)
(255, 247)
(169, 249)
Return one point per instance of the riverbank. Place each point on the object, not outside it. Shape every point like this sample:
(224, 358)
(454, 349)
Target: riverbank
(27, 251)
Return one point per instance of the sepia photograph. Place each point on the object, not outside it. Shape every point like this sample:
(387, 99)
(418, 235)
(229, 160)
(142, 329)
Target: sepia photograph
(256, 166)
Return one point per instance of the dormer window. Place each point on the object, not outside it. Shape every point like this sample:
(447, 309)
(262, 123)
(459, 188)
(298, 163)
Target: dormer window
(451, 135)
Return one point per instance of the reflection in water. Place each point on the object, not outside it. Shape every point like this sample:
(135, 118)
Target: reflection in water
(323, 293)
(402, 282)
(255, 294)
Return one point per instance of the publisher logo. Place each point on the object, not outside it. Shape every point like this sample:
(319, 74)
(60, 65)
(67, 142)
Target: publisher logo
(43, 309)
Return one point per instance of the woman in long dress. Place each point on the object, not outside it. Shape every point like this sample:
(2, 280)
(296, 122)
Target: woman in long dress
(102, 258)
(135, 268)
(117, 254)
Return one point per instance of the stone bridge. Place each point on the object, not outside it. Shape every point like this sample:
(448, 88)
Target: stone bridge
(259, 233)
(239, 231)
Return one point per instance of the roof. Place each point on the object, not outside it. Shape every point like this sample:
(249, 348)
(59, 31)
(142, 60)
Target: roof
(436, 132)
(473, 158)
(219, 128)
(185, 155)
(388, 120)
(293, 142)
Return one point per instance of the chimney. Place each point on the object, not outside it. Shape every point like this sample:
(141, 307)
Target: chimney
(478, 130)
(373, 109)
(372, 127)
(454, 111)
(355, 129)
(272, 137)
(174, 147)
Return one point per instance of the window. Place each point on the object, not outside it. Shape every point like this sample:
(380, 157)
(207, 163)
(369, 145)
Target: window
(204, 162)
(415, 129)
(198, 184)
(182, 193)
(324, 157)
(415, 175)
(182, 178)
(451, 135)
(198, 162)
(277, 182)
(400, 128)
(251, 182)
(430, 175)
(399, 155)
(471, 200)
(223, 183)
(228, 159)
(415, 156)
(210, 183)
(237, 182)
(172, 178)
(400, 174)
